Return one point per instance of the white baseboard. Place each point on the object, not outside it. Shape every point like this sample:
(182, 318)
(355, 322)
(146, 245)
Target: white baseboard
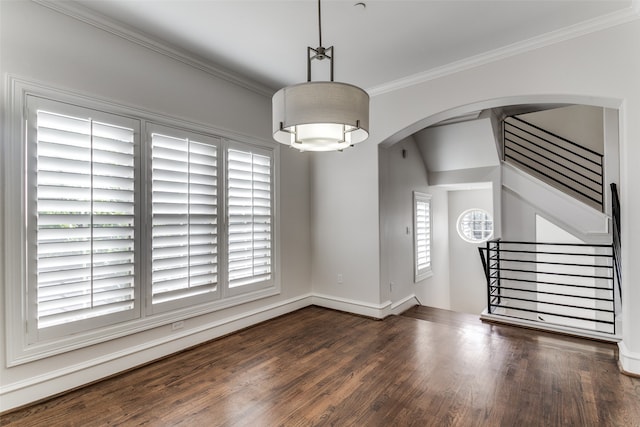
(508, 320)
(376, 311)
(629, 361)
(405, 304)
(20, 393)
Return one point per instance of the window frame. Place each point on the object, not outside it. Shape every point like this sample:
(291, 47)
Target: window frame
(258, 285)
(171, 131)
(421, 272)
(19, 348)
(35, 334)
(467, 238)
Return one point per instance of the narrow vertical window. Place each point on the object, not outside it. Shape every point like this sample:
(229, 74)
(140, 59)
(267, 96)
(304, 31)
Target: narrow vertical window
(422, 235)
(85, 207)
(249, 198)
(184, 217)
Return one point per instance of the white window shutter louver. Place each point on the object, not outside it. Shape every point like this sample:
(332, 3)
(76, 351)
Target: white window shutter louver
(185, 218)
(249, 217)
(85, 202)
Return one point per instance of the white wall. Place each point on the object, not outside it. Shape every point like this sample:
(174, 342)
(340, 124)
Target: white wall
(42, 45)
(344, 230)
(600, 68)
(399, 178)
(468, 286)
(434, 291)
(459, 146)
(518, 218)
(582, 124)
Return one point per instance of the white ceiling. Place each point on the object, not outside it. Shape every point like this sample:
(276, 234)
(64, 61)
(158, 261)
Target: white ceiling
(265, 41)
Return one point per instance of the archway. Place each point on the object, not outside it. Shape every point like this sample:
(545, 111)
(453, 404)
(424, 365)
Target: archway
(477, 181)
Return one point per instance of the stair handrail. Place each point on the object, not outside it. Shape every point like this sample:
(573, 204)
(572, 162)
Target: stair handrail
(560, 164)
(616, 233)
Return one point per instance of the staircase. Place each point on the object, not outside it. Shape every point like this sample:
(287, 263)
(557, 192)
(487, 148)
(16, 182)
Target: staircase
(567, 286)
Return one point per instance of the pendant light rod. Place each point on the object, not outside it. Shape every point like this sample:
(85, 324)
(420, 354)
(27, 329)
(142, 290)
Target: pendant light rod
(320, 52)
(319, 24)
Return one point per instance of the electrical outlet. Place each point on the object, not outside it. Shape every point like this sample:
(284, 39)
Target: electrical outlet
(339, 278)
(177, 325)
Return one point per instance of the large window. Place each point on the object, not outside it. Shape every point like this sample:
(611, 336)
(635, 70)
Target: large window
(129, 224)
(422, 235)
(184, 216)
(81, 218)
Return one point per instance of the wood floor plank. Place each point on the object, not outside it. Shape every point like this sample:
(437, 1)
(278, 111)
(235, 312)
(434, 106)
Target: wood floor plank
(318, 367)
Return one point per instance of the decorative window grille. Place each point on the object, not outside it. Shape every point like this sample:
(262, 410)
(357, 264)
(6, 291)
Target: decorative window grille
(475, 226)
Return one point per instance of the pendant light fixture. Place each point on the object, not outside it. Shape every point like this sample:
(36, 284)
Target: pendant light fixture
(321, 115)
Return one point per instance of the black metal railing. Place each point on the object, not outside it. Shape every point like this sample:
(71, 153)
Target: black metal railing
(569, 285)
(569, 166)
(615, 215)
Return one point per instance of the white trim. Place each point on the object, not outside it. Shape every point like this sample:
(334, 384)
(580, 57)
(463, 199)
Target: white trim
(97, 20)
(376, 311)
(13, 196)
(76, 11)
(583, 28)
(54, 382)
(629, 361)
(17, 87)
(404, 304)
(548, 327)
(467, 238)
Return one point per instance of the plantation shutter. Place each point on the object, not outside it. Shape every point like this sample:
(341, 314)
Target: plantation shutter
(249, 207)
(184, 224)
(85, 203)
(422, 234)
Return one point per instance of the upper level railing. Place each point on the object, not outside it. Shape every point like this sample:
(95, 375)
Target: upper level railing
(568, 285)
(617, 255)
(569, 166)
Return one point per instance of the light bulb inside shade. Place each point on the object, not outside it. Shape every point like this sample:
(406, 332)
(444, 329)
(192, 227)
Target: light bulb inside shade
(321, 136)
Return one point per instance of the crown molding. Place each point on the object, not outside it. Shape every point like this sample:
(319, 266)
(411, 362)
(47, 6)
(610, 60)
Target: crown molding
(631, 13)
(76, 11)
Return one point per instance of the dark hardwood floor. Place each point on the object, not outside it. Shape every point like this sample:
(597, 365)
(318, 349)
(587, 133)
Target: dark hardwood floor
(428, 367)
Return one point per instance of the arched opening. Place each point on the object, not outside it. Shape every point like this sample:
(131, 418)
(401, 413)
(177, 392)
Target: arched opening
(457, 157)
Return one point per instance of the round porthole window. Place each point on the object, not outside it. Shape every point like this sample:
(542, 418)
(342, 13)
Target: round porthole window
(475, 226)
